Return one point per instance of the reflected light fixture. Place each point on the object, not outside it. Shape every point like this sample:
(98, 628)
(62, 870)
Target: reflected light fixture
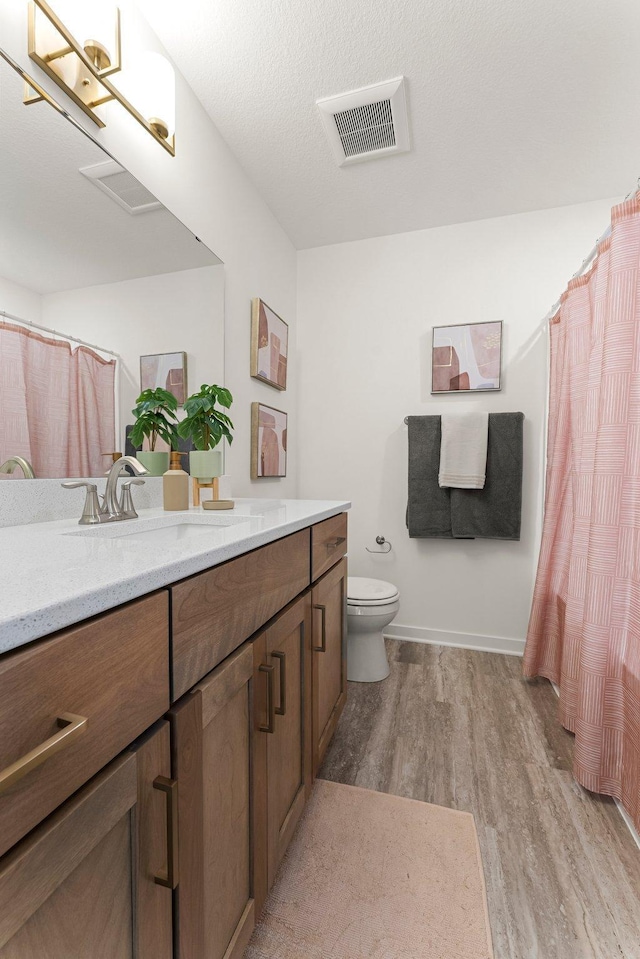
(78, 47)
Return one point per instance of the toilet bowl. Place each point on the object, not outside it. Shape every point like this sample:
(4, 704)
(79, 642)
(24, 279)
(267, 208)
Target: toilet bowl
(371, 605)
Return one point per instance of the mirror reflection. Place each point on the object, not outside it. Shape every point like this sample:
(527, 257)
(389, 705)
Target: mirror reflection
(97, 279)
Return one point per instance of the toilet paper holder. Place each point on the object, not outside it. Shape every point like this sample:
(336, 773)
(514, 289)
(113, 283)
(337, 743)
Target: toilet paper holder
(381, 541)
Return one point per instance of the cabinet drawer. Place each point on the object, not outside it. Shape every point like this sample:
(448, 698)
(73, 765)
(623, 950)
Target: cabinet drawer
(214, 612)
(328, 544)
(112, 671)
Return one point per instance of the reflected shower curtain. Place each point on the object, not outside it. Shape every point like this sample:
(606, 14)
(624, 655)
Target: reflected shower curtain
(57, 406)
(584, 631)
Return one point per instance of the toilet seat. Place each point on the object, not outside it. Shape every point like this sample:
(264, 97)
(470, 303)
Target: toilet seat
(362, 591)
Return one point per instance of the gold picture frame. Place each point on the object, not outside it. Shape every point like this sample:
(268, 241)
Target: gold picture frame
(269, 345)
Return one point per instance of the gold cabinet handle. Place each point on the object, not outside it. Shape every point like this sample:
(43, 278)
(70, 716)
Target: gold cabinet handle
(71, 726)
(271, 711)
(322, 648)
(281, 710)
(170, 788)
(334, 543)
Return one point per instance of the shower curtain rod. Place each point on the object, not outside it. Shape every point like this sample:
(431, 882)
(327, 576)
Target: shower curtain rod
(66, 336)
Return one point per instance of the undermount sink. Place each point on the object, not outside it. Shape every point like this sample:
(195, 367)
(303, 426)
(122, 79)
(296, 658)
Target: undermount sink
(164, 530)
(165, 535)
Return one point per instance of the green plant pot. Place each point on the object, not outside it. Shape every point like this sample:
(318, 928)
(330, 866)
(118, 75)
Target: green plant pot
(157, 463)
(205, 464)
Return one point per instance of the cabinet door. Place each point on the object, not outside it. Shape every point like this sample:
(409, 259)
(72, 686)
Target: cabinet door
(82, 885)
(283, 724)
(212, 742)
(329, 639)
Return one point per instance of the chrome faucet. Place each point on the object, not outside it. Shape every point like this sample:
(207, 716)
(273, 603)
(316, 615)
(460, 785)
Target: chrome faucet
(109, 508)
(111, 503)
(25, 466)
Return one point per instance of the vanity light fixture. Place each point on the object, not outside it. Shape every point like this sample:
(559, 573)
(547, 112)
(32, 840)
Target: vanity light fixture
(82, 67)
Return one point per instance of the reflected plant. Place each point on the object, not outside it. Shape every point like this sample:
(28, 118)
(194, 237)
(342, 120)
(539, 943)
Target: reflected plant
(155, 414)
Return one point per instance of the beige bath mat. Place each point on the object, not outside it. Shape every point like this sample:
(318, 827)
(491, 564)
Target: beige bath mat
(372, 876)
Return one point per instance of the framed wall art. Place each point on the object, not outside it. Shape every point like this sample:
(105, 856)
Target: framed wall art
(269, 344)
(466, 357)
(165, 370)
(268, 441)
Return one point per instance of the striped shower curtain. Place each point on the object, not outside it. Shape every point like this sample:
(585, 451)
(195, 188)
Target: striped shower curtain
(584, 631)
(57, 406)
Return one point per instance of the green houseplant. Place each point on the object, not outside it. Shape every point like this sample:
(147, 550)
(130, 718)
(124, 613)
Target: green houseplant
(155, 413)
(206, 425)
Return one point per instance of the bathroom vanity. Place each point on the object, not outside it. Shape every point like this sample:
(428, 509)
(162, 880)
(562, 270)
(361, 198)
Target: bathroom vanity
(172, 733)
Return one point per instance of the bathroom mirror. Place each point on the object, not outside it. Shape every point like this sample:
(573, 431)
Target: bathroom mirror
(86, 251)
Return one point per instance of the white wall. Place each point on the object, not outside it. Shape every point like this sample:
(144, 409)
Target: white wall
(19, 301)
(205, 187)
(152, 314)
(365, 313)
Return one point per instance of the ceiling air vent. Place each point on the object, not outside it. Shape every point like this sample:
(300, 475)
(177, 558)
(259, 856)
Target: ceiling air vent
(122, 187)
(368, 123)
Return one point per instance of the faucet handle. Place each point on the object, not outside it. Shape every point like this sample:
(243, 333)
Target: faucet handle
(126, 503)
(91, 512)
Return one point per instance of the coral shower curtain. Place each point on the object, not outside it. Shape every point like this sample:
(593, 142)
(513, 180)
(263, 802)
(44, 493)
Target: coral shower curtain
(584, 631)
(57, 406)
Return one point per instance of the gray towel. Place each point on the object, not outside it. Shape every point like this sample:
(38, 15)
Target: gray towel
(490, 513)
(494, 512)
(429, 505)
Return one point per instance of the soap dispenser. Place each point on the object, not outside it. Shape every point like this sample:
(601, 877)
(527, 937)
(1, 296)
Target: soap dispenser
(175, 485)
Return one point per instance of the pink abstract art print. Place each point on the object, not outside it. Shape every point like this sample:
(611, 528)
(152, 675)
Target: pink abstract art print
(268, 441)
(466, 357)
(269, 343)
(165, 370)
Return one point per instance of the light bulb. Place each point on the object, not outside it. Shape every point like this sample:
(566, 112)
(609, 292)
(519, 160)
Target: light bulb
(93, 24)
(150, 85)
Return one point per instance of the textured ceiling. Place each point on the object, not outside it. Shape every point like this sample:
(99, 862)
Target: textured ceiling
(58, 231)
(514, 105)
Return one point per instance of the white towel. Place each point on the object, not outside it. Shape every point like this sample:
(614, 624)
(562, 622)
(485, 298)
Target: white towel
(463, 450)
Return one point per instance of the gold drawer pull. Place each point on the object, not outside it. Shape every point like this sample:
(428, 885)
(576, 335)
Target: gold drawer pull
(322, 648)
(281, 710)
(71, 726)
(334, 543)
(271, 703)
(170, 788)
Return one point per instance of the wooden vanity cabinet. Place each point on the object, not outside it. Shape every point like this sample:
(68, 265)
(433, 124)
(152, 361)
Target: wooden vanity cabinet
(282, 730)
(169, 851)
(83, 883)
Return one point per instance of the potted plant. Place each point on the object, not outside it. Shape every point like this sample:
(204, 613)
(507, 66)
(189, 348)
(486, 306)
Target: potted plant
(155, 414)
(205, 426)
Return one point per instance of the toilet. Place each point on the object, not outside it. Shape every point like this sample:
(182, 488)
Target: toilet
(371, 605)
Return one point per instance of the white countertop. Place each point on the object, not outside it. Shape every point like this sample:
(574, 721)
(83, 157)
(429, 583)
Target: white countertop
(55, 574)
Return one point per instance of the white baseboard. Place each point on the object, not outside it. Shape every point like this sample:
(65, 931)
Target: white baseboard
(629, 822)
(444, 637)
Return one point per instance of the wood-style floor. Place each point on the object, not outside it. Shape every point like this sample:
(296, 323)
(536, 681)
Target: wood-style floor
(462, 729)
